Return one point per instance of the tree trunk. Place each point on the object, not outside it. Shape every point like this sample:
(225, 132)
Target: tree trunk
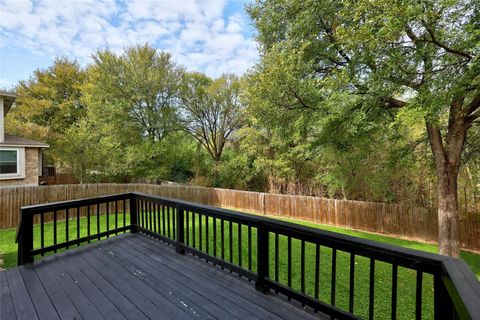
(446, 154)
(448, 214)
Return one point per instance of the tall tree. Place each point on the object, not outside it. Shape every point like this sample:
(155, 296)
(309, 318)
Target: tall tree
(417, 59)
(138, 87)
(133, 104)
(49, 103)
(211, 110)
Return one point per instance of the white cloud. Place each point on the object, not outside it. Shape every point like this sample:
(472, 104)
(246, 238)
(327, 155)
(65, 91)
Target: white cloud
(197, 33)
(4, 83)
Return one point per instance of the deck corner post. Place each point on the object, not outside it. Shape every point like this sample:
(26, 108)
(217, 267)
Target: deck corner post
(133, 214)
(25, 243)
(262, 259)
(180, 231)
(443, 306)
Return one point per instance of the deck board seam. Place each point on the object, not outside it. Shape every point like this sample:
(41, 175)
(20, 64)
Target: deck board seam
(51, 298)
(121, 265)
(103, 290)
(113, 285)
(216, 271)
(73, 276)
(231, 301)
(179, 282)
(146, 298)
(43, 288)
(166, 282)
(16, 308)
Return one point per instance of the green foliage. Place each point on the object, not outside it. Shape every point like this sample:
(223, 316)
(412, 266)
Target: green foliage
(336, 74)
(312, 117)
(48, 104)
(135, 90)
(211, 110)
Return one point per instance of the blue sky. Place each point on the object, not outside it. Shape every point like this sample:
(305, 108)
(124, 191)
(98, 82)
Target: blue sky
(213, 36)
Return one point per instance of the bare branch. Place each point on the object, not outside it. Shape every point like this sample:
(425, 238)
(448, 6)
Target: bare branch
(443, 45)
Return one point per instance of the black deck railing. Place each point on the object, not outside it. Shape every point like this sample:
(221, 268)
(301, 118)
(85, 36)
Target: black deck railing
(336, 274)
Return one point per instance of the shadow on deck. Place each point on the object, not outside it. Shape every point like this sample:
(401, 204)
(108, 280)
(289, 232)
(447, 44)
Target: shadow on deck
(133, 276)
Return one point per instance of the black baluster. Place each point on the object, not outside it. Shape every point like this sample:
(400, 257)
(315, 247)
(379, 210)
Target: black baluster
(108, 217)
(55, 229)
(200, 232)
(371, 296)
(418, 295)
(334, 276)
(214, 236)
(124, 214)
(78, 225)
(352, 282)
(249, 248)
(42, 232)
(187, 215)
(154, 213)
(289, 263)
(276, 259)
(302, 267)
(193, 230)
(239, 244)
(222, 238)
(66, 225)
(116, 217)
(394, 291)
(230, 231)
(317, 270)
(98, 221)
(174, 222)
(168, 222)
(206, 234)
(88, 223)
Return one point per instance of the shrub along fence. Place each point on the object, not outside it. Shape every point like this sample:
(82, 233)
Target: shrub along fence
(392, 219)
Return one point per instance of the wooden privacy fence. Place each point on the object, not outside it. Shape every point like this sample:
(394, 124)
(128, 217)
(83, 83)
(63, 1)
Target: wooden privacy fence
(392, 219)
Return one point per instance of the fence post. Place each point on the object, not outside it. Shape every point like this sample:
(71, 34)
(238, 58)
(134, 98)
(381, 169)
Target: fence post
(262, 259)
(133, 214)
(180, 231)
(442, 302)
(25, 240)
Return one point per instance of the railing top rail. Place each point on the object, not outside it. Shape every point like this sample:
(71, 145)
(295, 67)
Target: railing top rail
(348, 243)
(67, 204)
(463, 287)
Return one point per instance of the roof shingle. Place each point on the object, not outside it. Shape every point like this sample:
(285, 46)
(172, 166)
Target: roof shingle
(20, 141)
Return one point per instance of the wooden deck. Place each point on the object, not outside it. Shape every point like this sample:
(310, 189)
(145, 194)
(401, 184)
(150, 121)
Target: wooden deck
(132, 276)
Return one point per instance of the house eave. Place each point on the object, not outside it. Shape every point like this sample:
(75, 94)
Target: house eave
(46, 146)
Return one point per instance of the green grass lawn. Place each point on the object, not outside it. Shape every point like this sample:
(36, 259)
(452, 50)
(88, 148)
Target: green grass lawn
(406, 277)
(9, 248)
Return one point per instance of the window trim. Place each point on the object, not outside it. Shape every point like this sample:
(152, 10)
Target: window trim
(20, 174)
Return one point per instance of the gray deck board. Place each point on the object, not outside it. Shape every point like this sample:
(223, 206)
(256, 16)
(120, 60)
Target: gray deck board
(132, 276)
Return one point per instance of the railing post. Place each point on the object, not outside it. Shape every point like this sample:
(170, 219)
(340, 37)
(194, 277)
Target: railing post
(25, 243)
(262, 259)
(180, 231)
(443, 306)
(133, 214)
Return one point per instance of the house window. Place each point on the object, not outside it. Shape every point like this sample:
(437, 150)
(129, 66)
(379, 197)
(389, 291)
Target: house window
(9, 162)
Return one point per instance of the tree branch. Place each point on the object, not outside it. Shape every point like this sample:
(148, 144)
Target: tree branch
(473, 105)
(436, 144)
(393, 103)
(443, 45)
